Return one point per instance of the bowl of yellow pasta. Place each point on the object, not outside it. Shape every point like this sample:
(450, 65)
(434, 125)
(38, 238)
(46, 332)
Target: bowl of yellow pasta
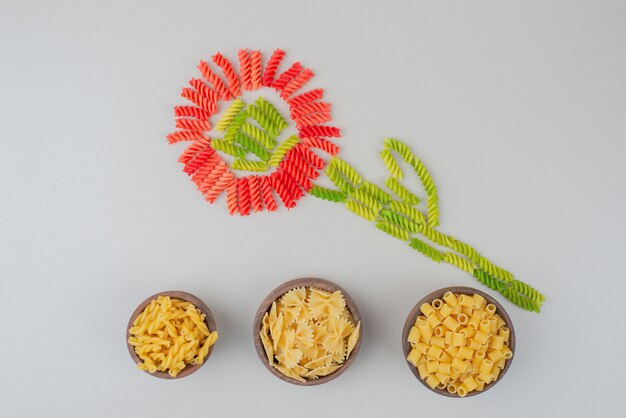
(458, 341)
(307, 331)
(171, 334)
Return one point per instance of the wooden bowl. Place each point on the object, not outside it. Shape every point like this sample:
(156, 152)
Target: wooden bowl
(438, 294)
(187, 297)
(267, 304)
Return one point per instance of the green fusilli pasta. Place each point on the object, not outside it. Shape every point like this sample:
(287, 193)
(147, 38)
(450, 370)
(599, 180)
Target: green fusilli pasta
(347, 170)
(494, 270)
(246, 165)
(328, 194)
(401, 148)
(407, 210)
(391, 164)
(378, 193)
(527, 291)
(252, 146)
(432, 204)
(401, 191)
(399, 220)
(434, 235)
(272, 113)
(228, 148)
(366, 199)
(520, 300)
(229, 114)
(259, 135)
(235, 125)
(283, 149)
(360, 210)
(426, 249)
(338, 180)
(260, 117)
(458, 261)
(393, 230)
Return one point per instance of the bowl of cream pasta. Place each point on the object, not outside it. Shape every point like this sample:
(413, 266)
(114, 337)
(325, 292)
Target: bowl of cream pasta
(171, 334)
(307, 331)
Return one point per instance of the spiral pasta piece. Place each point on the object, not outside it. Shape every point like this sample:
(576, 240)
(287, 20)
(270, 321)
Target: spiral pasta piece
(393, 230)
(201, 173)
(284, 78)
(193, 149)
(360, 210)
(258, 135)
(193, 125)
(229, 73)
(426, 249)
(235, 126)
(375, 191)
(255, 71)
(272, 113)
(301, 164)
(321, 143)
(229, 115)
(245, 69)
(458, 261)
(228, 148)
(347, 170)
(246, 165)
(328, 194)
(272, 66)
(367, 200)
(282, 149)
(304, 98)
(401, 148)
(183, 136)
(520, 300)
(267, 194)
(195, 97)
(254, 186)
(243, 196)
(214, 80)
(299, 176)
(296, 83)
(321, 130)
(494, 270)
(191, 112)
(198, 160)
(527, 291)
(432, 204)
(435, 236)
(281, 189)
(338, 180)
(307, 108)
(290, 183)
(310, 157)
(313, 119)
(399, 220)
(209, 181)
(220, 185)
(391, 164)
(262, 119)
(231, 197)
(402, 192)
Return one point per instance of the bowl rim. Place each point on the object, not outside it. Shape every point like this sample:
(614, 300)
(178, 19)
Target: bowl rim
(187, 297)
(410, 320)
(279, 291)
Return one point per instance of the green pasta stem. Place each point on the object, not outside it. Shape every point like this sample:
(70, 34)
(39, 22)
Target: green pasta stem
(252, 146)
(391, 164)
(246, 165)
(228, 148)
(229, 114)
(426, 249)
(283, 149)
(328, 194)
(259, 135)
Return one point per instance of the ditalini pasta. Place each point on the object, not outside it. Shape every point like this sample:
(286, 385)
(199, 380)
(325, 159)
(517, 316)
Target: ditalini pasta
(308, 333)
(471, 353)
(170, 334)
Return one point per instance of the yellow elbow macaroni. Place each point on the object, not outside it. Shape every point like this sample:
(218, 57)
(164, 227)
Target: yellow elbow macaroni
(460, 344)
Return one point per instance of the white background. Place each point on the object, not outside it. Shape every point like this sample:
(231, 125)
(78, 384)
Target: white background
(517, 108)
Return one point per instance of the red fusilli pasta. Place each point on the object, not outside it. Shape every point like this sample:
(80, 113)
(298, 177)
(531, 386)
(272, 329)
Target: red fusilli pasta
(321, 143)
(267, 194)
(214, 80)
(220, 185)
(229, 73)
(183, 136)
(284, 78)
(296, 83)
(307, 97)
(320, 130)
(299, 177)
(281, 189)
(231, 197)
(311, 107)
(193, 125)
(199, 99)
(193, 149)
(198, 160)
(256, 70)
(313, 119)
(272, 66)
(218, 169)
(254, 186)
(243, 195)
(206, 91)
(291, 185)
(310, 157)
(296, 158)
(245, 69)
(191, 112)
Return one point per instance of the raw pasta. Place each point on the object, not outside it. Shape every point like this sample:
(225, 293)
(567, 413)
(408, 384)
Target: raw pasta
(308, 333)
(471, 354)
(169, 335)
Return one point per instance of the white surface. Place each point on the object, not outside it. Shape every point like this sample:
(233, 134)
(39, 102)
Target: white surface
(517, 108)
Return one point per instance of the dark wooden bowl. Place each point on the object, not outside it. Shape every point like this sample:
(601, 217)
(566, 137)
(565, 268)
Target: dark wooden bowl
(187, 297)
(267, 304)
(438, 294)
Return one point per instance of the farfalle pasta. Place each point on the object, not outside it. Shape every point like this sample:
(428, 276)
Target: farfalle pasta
(459, 344)
(169, 335)
(308, 333)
